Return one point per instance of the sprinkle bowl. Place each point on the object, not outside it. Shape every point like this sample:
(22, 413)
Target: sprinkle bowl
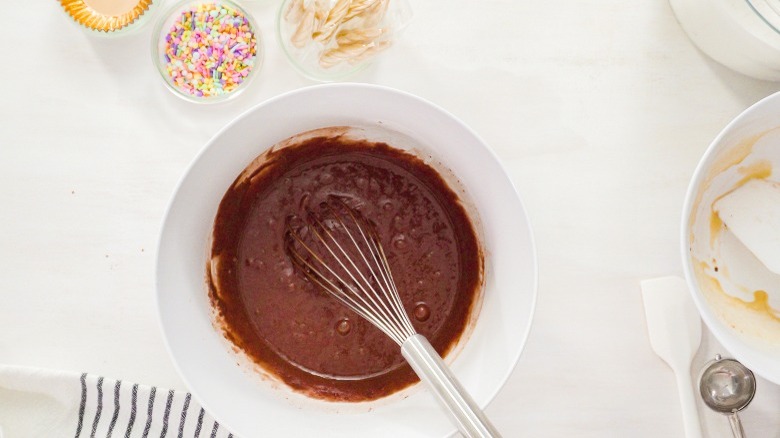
(206, 51)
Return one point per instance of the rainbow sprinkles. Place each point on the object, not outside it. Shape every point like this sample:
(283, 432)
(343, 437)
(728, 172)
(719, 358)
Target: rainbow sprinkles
(209, 50)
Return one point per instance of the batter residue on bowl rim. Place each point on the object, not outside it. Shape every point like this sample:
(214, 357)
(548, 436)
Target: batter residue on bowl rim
(741, 291)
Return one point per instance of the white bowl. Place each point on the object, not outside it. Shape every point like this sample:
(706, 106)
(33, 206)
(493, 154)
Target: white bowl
(240, 397)
(721, 272)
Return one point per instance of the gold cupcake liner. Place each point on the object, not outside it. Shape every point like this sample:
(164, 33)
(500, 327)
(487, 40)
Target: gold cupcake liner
(88, 17)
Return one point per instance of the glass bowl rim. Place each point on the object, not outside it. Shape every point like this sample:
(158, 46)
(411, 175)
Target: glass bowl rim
(157, 36)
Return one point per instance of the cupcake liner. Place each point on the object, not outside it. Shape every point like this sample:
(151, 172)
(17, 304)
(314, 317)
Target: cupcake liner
(84, 15)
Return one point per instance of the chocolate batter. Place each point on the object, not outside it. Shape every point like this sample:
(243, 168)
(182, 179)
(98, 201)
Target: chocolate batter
(299, 333)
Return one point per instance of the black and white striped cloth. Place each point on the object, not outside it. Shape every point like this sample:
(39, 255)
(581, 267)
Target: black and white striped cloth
(41, 403)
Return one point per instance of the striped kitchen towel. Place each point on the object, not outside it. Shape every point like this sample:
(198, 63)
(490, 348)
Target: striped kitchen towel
(51, 404)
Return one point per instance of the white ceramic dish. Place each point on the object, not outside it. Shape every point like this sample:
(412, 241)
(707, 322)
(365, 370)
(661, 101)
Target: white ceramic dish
(722, 274)
(237, 395)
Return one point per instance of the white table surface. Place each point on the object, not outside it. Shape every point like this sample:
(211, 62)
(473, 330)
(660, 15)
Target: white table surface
(600, 110)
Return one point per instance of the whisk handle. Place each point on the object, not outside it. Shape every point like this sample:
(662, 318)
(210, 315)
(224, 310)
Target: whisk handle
(429, 366)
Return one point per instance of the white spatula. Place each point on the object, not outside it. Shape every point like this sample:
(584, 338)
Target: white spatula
(752, 213)
(674, 326)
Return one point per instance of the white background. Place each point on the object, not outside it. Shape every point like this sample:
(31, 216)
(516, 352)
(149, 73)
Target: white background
(599, 109)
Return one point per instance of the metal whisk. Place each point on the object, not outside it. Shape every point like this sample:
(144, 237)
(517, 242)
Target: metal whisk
(338, 249)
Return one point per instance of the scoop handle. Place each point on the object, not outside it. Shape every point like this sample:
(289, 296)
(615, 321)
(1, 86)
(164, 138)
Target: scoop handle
(429, 366)
(736, 425)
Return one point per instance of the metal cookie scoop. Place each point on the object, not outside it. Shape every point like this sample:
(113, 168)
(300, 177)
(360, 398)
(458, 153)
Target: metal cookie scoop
(727, 386)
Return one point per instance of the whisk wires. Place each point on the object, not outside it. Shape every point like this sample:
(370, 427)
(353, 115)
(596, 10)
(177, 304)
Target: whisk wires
(339, 251)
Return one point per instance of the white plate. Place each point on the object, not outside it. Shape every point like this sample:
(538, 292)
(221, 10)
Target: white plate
(237, 396)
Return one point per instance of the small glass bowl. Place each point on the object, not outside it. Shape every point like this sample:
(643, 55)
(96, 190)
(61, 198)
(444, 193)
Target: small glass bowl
(768, 11)
(310, 57)
(161, 60)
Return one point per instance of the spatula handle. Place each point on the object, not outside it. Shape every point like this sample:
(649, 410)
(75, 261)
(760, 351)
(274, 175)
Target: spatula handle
(688, 404)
